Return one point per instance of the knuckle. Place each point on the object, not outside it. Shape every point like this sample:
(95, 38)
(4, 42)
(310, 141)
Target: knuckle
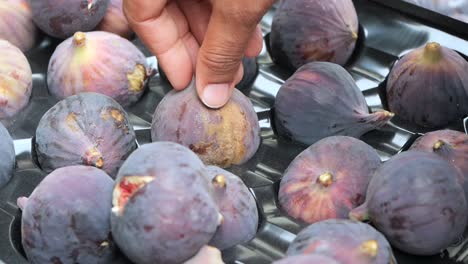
(220, 62)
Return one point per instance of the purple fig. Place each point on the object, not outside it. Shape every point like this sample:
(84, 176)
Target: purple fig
(429, 86)
(417, 202)
(328, 179)
(320, 100)
(313, 30)
(7, 154)
(348, 242)
(222, 137)
(115, 21)
(98, 62)
(17, 25)
(15, 80)
(62, 18)
(307, 259)
(85, 129)
(250, 75)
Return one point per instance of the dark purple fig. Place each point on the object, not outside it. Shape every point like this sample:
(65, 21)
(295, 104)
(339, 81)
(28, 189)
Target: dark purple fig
(328, 179)
(236, 205)
(7, 154)
(429, 86)
(15, 80)
(320, 100)
(62, 18)
(163, 211)
(98, 62)
(17, 25)
(250, 74)
(85, 129)
(67, 218)
(115, 21)
(417, 202)
(222, 137)
(313, 30)
(348, 242)
(307, 259)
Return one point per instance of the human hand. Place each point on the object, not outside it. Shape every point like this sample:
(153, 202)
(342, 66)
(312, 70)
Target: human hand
(207, 38)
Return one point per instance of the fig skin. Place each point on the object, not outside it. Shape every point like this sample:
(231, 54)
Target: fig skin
(222, 137)
(415, 200)
(163, 211)
(320, 100)
(7, 154)
(67, 218)
(307, 259)
(328, 179)
(18, 27)
(15, 81)
(115, 21)
(346, 241)
(237, 206)
(85, 129)
(429, 86)
(98, 62)
(313, 30)
(62, 18)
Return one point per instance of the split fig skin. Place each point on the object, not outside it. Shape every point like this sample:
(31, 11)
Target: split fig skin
(17, 26)
(429, 87)
(328, 179)
(7, 154)
(307, 259)
(313, 30)
(163, 211)
(223, 137)
(99, 62)
(15, 81)
(320, 100)
(115, 21)
(346, 241)
(85, 129)
(236, 205)
(415, 200)
(67, 218)
(62, 18)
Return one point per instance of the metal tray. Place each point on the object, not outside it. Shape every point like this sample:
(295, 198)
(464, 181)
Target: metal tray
(386, 34)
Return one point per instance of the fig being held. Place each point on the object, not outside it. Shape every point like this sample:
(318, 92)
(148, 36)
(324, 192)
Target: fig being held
(17, 25)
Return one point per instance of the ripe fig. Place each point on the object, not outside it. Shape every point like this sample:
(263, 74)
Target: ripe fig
(313, 30)
(62, 18)
(15, 80)
(328, 179)
(237, 206)
(7, 154)
(17, 26)
(85, 129)
(348, 242)
(320, 100)
(67, 218)
(115, 21)
(307, 259)
(250, 74)
(433, 101)
(222, 137)
(98, 62)
(417, 202)
(163, 211)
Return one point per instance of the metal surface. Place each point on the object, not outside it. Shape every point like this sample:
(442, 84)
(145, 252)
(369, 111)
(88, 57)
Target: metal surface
(386, 35)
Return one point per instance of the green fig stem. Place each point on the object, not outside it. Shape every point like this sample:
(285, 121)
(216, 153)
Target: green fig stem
(219, 181)
(325, 179)
(359, 214)
(370, 248)
(432, 52)
(79, 38)
(354, 35)
(438, 145)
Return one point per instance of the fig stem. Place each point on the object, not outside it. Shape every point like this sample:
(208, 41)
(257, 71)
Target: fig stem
(438, 145)
(370, 248)
(79, 38)
(354, 35)
(432, 52)
(359, 214)
(219, 181)
(325, 179)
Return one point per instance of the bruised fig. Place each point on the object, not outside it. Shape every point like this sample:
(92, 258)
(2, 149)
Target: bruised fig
(16, 24)
(62, 18)
(7, 154)
(429, 86)
(328, 179)
(415, 200)
(222, 137)
(313, 30)
(320, 100)
(85, 129)
(348, 242)
(115, 21)
(98, 62)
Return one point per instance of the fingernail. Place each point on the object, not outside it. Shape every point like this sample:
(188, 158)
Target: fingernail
(215, 95)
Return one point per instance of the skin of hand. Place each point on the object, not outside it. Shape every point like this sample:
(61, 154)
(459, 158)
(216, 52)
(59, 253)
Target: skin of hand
(205, 38)
(206, 255)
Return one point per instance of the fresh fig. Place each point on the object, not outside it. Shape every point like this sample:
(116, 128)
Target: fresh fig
(328, 179)
(115, 21)
(15, 80)
(17, 26)
(307, 259)
(313, 30)
(98, 62)
(417, 202)
(85, 129)
(62, 18)
(429, 86)
(348, 242)
(250, 75)
(320, 100)
(7, 154)
(223, 137)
